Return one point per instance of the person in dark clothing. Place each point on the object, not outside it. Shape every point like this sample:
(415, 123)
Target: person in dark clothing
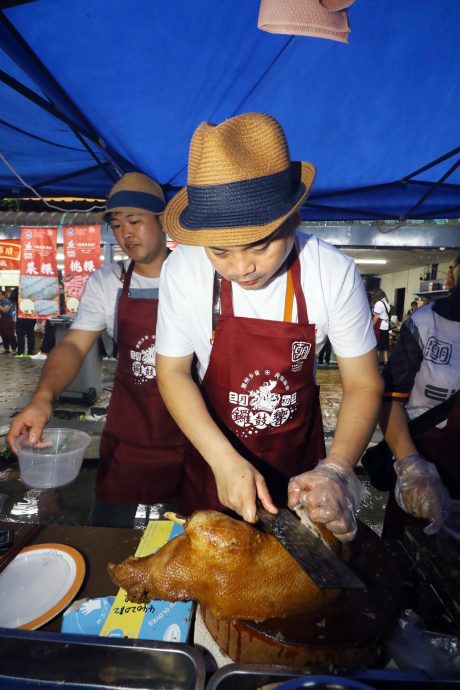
(25, 329)
(7, 324)
(49, 338)
(413, 306)
(422, 372)
(25, 332)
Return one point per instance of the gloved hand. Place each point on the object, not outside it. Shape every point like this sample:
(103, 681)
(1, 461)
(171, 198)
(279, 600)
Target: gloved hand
(420, 491)
(331, 495)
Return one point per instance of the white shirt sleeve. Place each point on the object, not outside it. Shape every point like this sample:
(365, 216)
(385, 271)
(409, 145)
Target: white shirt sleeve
(91, 314)
(350, 325)
(173, 333)
(336, 298)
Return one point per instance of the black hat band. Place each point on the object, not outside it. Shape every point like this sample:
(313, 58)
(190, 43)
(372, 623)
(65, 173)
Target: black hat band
(141, 200)
(257, 201)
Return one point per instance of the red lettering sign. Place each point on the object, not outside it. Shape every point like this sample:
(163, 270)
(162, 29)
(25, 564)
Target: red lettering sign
(82, 250)
(10, 255)
(38, 280)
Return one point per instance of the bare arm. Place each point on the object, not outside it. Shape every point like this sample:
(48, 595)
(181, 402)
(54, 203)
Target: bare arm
(238, 482)
(60, 369)
(359, 410)
(393, 423)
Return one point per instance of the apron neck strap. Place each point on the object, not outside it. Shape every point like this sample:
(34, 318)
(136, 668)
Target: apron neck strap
(125, 278)
(294, 279)
(222, 294)
(289, 298)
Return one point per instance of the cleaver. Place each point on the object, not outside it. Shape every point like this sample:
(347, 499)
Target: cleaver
(324, 567)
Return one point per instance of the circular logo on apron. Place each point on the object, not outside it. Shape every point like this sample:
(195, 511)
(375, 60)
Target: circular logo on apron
(264, 402)
(142, 358)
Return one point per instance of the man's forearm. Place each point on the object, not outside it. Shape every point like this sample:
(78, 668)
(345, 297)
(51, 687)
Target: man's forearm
(393, 423)
(359, 410)
(356, 423)
(61, 367)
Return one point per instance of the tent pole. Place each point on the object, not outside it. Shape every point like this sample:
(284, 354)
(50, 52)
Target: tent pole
(431, 190)
(15, 46)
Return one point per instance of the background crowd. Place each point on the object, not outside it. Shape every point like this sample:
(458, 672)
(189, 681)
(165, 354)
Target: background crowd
(25, 337)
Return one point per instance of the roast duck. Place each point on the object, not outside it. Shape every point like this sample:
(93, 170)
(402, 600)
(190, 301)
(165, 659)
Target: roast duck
(230, 567)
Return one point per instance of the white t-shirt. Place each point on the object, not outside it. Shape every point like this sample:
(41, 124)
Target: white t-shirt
(99, 299)
(334, 291)
(382, 312)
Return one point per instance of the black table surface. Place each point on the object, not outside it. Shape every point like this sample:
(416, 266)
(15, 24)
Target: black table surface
(99, 546)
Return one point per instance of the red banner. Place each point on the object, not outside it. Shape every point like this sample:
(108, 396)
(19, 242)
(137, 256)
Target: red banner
(10, 255)
(38, 280)
(82, 251)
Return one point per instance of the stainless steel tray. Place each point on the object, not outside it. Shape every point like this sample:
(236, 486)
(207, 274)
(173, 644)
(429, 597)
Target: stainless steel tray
(51, 659)
(253, 676)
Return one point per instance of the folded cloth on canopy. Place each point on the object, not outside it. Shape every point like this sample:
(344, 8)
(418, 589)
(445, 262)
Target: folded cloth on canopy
(319, 18)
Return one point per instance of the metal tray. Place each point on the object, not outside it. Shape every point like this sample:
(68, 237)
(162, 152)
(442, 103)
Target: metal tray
(47, 660)
(253, 676)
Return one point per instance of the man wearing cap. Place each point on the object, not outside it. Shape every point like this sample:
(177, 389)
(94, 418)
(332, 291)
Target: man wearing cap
(142, 450)
(253, 300)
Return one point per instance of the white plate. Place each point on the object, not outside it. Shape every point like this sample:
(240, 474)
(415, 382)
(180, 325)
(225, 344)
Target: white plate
(39, 583)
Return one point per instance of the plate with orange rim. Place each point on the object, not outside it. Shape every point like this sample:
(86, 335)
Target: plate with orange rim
(38, 584)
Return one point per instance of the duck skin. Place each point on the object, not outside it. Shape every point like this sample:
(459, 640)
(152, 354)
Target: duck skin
(229, 567)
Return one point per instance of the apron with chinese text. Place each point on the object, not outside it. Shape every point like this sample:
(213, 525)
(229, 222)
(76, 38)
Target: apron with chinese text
(142, 450)
(261, 391)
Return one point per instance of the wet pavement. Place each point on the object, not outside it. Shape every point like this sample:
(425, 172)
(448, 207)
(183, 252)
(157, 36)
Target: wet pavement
(71, 504)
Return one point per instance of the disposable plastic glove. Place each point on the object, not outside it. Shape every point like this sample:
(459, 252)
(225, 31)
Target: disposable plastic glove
(331, 495)
(419, 491)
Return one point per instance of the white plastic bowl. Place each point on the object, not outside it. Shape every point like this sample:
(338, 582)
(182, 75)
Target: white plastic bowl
(57, 464)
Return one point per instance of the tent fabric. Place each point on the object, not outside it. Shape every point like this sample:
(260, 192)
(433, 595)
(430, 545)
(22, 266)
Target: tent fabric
(89, 90)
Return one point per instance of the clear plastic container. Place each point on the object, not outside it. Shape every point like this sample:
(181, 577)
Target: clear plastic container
(55, 462)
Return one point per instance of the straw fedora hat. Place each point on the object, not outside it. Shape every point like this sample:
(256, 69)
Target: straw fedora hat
(135, 190)
(241, 184)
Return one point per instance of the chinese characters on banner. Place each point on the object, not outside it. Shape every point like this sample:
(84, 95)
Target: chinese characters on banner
(10, 255)
(82, 249)
(38, 279)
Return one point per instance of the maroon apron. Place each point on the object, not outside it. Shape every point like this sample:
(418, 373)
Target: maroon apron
(260, 389)
(439, 446)
(142, 450)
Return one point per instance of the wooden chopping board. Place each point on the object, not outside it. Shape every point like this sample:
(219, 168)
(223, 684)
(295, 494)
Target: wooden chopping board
(346, 635)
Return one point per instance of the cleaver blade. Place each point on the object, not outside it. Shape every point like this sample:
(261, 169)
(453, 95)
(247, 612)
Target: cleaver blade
(326, 569)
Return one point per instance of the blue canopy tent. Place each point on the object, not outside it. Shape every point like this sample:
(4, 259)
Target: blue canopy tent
(89, 90)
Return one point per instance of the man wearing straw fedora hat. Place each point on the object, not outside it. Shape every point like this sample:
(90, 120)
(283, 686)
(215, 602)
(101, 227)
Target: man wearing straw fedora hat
(252, 300)
(142, 450)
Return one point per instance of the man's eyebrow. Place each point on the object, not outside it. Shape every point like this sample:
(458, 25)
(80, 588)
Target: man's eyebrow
(264, 240)
(127, 215)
